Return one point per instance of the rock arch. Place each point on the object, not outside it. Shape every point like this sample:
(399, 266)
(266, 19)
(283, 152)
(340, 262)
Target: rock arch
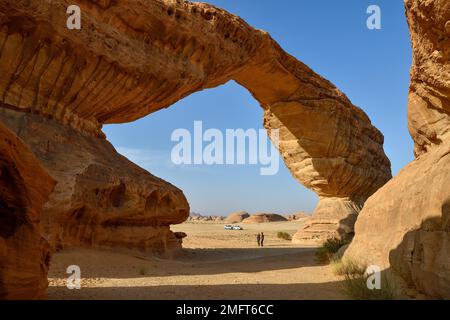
(59, 86)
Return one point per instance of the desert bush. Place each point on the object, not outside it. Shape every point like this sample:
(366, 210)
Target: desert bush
(355, 286)
(355, 282)
(348, 267)
(142, 270)
(325, 253)
(284, 235)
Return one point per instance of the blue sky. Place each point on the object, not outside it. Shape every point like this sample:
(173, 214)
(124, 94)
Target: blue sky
(370, 66)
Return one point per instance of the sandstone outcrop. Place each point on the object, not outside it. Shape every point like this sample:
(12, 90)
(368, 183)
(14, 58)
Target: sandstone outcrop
(405, 226)
(429, 93)
(332, 218)
(101, 198)
(132, 59)
(24, 253)
(264, 217)
(237, 217)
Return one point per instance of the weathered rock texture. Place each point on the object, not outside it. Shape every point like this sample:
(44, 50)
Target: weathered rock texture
(264, 217)
(24, 187)
(405, 226)
(101, 199)
(132, 59)
(237, 217)
(429, 95)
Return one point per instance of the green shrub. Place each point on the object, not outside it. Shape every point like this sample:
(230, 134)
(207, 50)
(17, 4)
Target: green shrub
(355, 282)
(324, 254)
(348, 267)
(355, 287)
(284, 235)
(142, 270)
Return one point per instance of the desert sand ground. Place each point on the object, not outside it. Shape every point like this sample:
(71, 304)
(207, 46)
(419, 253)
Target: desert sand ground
(214, 264)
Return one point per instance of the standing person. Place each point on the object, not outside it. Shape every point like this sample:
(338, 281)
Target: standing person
(258, 239)
(262, 239)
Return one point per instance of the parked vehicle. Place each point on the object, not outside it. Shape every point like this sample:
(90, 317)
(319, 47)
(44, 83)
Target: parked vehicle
(230, 227)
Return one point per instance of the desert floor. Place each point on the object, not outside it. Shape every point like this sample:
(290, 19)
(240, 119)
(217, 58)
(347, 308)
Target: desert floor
(214, 264)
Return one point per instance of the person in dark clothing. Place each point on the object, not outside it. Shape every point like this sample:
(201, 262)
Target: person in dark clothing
(258, 239)
(262, 239)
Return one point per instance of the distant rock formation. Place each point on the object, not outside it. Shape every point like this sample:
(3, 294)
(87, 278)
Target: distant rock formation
(196, 217)
(297, 216)
(237, 217)
(132, 59)
(405, 226)
(24, 188)
(264, 217)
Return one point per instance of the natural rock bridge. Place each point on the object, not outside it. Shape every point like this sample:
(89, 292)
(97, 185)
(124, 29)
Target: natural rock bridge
(132, 58)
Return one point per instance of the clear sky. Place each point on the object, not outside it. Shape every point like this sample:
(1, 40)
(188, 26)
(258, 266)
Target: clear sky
(370, 66)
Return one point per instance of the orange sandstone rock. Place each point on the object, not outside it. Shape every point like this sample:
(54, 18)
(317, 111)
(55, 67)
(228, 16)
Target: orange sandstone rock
(24, 188)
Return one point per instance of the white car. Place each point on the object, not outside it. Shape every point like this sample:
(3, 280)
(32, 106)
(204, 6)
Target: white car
(230, 227)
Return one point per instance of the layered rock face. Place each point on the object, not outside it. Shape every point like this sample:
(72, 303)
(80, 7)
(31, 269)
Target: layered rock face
(429, 94)
(405, 226)
(132, 59)
(101, 199)
(24, 187)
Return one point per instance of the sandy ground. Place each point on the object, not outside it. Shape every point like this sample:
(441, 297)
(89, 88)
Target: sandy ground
(214, 264)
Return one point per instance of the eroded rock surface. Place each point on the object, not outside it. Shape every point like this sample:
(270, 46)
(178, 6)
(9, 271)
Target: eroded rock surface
(24, 253)
(405, 226)
(132, 59)
(429, 94)
(101, 199)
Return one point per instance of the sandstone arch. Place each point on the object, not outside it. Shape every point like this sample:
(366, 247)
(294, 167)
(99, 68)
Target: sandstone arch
(60, 86)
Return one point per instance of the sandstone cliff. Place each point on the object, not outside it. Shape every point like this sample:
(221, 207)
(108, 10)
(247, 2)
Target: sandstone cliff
(133, 58)
(405, 226)
(24, 187)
